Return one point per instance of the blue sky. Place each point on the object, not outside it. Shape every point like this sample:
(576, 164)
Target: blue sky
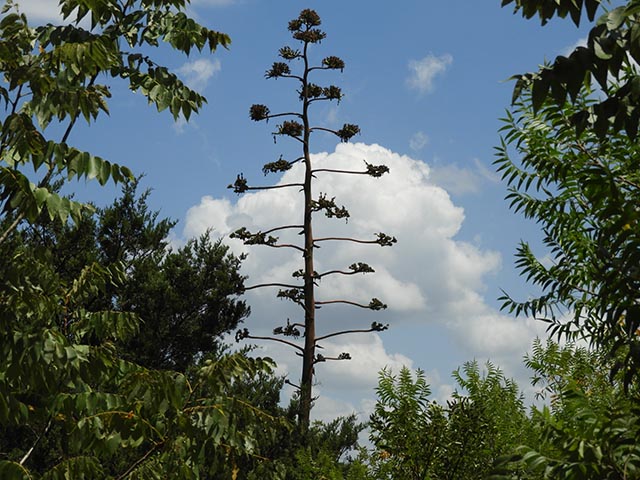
(426, 82)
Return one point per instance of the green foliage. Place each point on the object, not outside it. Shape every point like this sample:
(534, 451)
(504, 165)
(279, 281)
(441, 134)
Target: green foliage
(612, 51)
(589, 430)
(572, 167)
(56, 82)
(415, 437)
(62, 374)
(70, 405)
(583, 192)
(327, 452)
(406, 428)
(557, 367)
(184, 297)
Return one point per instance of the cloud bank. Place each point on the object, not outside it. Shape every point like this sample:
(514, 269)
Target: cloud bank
(428, 279)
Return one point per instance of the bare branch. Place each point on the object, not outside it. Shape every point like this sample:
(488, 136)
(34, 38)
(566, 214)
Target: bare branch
(383, 240)
(286, 285)
(321, 358)
(274, 339)
(375, 327)
(286, 245)
(371, 306)
(289, 382)
(285, 227)
(287, 114)
(345, 239)
(353, 269)
(273, 187)
(323, 129)
(331, 170)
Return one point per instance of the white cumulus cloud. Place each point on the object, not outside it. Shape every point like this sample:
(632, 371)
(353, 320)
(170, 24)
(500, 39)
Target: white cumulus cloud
(428, 278)
(197, 73)
(423, 72)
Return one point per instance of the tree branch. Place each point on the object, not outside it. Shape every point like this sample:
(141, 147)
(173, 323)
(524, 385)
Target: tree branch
(331, 170)
(286, 285)
(345, 332)
(287, 114)
(285, 227)
(274, 339)
(348, 302)
(323, 129)
(35, 444)
(285, 245)
(273, 187)
(345, 239)
(341, 272)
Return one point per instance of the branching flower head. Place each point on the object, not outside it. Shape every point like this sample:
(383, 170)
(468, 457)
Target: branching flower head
(259, 112)
(361, 267)
(332, 93)
(311, 91)
(376, 171)
(280, 165)
(242, 334)
(379, 327)
(376, 304)
(290, 128)
(308, 18)
(289, 53)
(240, 185)
(278, 69)
(348, 131)
(334, 63)
(385, 240)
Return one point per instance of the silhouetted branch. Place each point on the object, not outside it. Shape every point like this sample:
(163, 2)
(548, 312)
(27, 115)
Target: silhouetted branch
(354, 268)
(286, 285)
(332, 170)
(375, 327)
(383, 240)
(374, 304)
(273, 187)
(289, 382)
(287, 245)
(321, 358)
(244, 333)
(274, 339)
(285, 227)
(375, 171)
(240, 185)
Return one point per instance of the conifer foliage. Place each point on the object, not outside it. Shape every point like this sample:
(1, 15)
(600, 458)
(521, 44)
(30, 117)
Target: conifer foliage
(298, 127)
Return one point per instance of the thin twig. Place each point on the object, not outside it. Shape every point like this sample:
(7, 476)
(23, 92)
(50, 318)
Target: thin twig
(331, 170)
(344, 332)
(273, 285)
(348, 302)
(273, 187)
(274, 339)
(345, 239)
